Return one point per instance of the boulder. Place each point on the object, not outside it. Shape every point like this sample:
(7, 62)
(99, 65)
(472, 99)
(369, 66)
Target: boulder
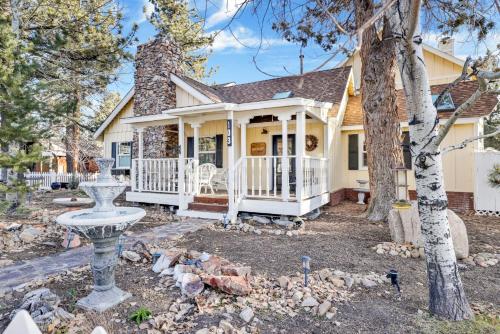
(283, 281)
(213, 265)
(233, 285)
(191, 285)
(410, 224)
(234, 270)
(261, 220)
(396, 226)
(367, 283)
(324, 307)
(458, 235)
(309, 302)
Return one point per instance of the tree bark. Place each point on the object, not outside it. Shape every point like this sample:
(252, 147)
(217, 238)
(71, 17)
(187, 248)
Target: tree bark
(73, 139)
(380, 114)
(446, 294)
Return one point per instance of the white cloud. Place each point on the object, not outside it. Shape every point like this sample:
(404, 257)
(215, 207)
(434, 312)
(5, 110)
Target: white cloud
(147, 9)
(225, 11)
(243, 38)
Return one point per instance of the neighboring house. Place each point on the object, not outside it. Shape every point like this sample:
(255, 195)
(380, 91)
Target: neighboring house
(180, 123)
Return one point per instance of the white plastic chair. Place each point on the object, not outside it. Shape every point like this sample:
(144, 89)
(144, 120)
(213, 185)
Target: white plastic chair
(206, 172)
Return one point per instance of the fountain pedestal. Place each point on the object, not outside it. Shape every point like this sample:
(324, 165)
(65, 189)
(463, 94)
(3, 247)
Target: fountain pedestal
(103, 225)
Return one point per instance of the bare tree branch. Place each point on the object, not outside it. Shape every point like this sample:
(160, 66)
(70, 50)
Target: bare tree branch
(464, 76)
(467, 141)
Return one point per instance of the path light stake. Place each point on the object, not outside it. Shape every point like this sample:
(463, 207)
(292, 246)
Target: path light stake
(71, 236)
(393, 275)
(307, 268)
(156, 256)
(121, 240)
(225, 221)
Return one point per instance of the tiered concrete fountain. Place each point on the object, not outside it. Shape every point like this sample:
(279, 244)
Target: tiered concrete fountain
(103, 224)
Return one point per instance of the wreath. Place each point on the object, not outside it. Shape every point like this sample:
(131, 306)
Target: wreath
(494, 176)
(311, 142)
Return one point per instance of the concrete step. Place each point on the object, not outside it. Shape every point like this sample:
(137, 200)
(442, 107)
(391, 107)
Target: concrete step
(207, 207)
(211, 200)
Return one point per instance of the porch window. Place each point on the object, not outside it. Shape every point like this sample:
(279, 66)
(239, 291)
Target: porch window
(124, 155)
(208, 149)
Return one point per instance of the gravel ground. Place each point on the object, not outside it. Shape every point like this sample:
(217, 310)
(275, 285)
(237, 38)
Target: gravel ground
(341, 239)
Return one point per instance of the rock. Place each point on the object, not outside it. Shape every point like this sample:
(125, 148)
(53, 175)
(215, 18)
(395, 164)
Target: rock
(43, 307)
(283, 282)
(393, 252)
(233, 270)
(367, 283)
(5, 262)
(167, 272)
(226, 327)
(233, 285)
(261, 219)
(325, 274)
(168, 259)
(421, 252)
(395, 226)
(415, 253)
(309, 302)
(458, 235)
(411, 225)
(349, 281)
(191, 285)
(289, 233)
(213, 265)
(14, 227)
(29, 234)
(297, 296)
(324, 307)
(278, 232)
(337, 282)
(180, 270)
(380, 251)
(131, 256)
(330, 315)
(247, 314)
(203, 331)
(204, 257)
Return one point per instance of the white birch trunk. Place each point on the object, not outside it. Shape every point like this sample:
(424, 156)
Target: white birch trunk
(446, 294)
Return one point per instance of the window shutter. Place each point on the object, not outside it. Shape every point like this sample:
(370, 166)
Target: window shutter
(406, 150)
(190, 147)
(353, 152)
(219, 144)
(131, 152)
(113, 153)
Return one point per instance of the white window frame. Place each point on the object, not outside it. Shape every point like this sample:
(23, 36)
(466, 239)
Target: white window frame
(214, 152)
(361, 142)
(118, 144)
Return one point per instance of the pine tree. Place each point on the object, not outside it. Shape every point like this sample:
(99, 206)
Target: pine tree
(185, 26)
(19, 110)
(109, 101)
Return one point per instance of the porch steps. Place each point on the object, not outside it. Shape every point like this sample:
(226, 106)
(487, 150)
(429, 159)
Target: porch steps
(209, 204)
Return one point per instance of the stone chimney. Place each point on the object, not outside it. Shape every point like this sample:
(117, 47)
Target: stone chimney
(447, 45)
(155, 92)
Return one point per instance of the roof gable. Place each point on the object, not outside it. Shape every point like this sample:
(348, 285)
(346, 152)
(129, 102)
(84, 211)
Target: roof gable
(126, 99)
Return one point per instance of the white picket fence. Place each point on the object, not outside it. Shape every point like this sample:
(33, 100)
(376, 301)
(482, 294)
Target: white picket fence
(22, 323)
(486, 198)
(45, 179)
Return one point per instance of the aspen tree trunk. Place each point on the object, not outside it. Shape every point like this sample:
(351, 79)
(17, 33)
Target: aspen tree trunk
(380, 113)
(446, 293)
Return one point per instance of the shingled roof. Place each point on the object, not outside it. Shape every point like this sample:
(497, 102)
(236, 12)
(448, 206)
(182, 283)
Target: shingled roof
(321, 86)
(459, 94)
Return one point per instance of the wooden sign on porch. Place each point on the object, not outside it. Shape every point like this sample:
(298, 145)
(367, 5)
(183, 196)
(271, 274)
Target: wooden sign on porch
(258, 149)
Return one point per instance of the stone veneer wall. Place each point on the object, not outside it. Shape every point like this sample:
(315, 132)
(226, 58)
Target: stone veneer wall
(154, 92)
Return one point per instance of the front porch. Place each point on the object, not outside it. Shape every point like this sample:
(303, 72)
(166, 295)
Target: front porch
(255, 171)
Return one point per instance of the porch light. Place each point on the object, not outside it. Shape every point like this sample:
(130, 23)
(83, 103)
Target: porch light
(401, 182)
(264, 131)
(393, 275)
(307, 268)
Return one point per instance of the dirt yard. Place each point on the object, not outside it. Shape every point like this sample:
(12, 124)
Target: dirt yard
(339, 239)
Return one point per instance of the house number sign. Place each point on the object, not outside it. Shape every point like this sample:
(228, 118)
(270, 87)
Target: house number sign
(229, 132)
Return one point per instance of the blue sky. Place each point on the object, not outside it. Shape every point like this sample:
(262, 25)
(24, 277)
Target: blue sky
(234, 61)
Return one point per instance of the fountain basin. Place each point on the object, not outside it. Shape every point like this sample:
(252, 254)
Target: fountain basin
(90, 218)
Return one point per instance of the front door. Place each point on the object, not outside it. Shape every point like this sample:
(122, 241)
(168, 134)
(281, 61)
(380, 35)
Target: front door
(278, 151)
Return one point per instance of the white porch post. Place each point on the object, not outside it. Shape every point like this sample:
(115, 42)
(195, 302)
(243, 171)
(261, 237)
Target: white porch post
(285, 186)
(196, 155)
(230, 161)
(326, 152)
(140, 140)
(300, 140)
(182, 164)
(243, 142)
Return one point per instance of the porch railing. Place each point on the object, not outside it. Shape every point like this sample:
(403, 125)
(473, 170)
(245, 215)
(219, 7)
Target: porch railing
(315, 181)
(155, 175)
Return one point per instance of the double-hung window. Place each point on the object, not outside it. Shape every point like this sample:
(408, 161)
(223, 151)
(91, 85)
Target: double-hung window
(123, 155)
(208, 148)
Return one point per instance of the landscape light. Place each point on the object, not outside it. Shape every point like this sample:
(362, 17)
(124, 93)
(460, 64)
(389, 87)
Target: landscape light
(307, 267)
